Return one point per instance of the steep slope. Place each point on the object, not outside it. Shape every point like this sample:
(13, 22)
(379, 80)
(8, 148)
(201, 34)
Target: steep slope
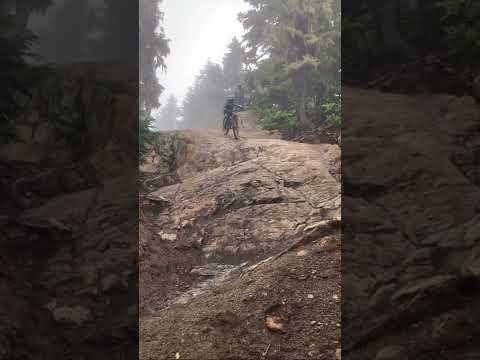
(411, 194)
(302, 288)
(68, 218)
(237, 203)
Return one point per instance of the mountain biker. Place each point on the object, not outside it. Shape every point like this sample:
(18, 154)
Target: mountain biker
(229, 109)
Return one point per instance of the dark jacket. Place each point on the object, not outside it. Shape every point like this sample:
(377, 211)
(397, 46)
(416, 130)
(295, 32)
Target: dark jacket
(230, 107)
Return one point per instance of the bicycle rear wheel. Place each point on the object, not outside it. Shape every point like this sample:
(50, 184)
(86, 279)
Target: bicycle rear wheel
(226, 125)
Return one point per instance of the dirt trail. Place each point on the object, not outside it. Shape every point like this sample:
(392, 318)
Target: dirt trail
(207, 244)
(411, 184)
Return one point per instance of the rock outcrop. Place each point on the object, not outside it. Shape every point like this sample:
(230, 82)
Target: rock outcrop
(244, 202)
(288, 308)
(410, 242)
(69, 219)
(240, 258)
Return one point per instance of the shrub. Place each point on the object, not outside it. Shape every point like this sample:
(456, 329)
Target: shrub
(461, 27)
(145, 134)
(332, 112)
(276, 119)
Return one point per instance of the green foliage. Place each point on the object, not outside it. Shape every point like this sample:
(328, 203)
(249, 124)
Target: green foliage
(293, 45)
(362, 42)
(446, 29)
(284, 121)
(154, 47)
(169, 146)
(233, 63)
(332, 113)
(14, 50)
(145, 134)
(70, 125)
(271, 85)
(461, 27)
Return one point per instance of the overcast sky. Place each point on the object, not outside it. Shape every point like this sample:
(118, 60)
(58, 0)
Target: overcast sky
(198, 30)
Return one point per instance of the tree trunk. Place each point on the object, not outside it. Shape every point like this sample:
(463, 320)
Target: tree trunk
(283, 100)
(300, 82)
(301, 110)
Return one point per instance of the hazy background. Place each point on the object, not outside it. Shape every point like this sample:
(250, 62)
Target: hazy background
(198, 30)
(75, 31)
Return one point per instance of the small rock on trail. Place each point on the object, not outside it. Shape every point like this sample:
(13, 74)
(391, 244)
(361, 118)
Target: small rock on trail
(212, 250)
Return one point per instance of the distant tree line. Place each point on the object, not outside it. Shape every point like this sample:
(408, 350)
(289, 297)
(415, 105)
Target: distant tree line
(203, 104)
(385, 35)
(15, 51)
(294, 53)
(73, 31)
(291, 65)
(169, 114)
(153, 49)
(288, 64)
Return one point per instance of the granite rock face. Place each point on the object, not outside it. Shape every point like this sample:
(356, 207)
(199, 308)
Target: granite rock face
(240, 249)
(69, 218)
(410, 250)
(235, 202)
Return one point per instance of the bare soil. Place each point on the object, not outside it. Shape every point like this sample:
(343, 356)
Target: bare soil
(228, 322)
(211, 278)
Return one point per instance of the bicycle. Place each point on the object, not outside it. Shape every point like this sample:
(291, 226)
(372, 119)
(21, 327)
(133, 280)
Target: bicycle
(230, 121)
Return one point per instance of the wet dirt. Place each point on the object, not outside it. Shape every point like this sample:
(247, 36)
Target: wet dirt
(207, 245)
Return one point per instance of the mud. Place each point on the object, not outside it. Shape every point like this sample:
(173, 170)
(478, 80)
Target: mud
(238, 204)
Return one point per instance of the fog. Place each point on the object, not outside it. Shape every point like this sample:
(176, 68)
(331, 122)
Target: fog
(73, 31)
(199, 31)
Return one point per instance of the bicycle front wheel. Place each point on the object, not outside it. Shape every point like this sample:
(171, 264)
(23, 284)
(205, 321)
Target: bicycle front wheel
(235, 128)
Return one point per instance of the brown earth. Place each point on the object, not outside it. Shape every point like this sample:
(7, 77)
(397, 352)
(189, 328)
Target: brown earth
(410, 252)
(237, 204)
(228, 321)
(68, 218)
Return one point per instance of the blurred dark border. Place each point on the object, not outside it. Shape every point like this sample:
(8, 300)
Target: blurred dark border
(410, 150)
(69, 170)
